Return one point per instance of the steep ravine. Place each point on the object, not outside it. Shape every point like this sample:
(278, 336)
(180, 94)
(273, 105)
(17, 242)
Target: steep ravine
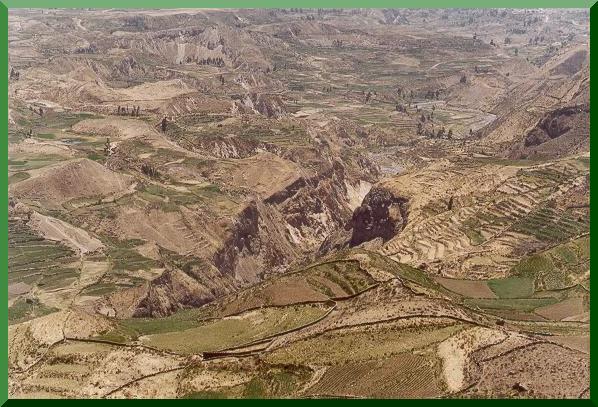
(267, 236)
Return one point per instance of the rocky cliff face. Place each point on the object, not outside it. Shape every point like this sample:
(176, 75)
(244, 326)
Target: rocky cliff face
(560, 132)
(176, 289)
(266, 237)
(289, 225)
(381, 215)
(271, 106)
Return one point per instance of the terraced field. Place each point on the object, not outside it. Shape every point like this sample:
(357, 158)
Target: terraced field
(237, 330)
(299, 203)
(402, 376)
(317, 283)
(35, 260)
(363, 344)
(522, 211)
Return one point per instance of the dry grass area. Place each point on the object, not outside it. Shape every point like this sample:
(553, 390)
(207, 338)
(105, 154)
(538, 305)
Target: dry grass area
(50, 187)
(284, 203)
(547, 371)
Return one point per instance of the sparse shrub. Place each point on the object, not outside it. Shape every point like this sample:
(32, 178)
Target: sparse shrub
(149, 170)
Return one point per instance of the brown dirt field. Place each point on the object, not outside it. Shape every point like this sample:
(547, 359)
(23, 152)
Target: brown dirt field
(114, 127)
(105, 369)
(162, 386)
(165, 228)
(264, 173)
(559, 311)
(291, 291)
(32, 147)
(546, 370)
(81, 324)
(578, 342)
(57, 230)
(52, 186)
(455, 353)
(468, 288)
(30, 340)
(14, 290)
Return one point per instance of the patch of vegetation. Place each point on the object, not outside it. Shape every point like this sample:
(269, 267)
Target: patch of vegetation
(16, 162)
(378, 342)
(518, 304)
(557, 267)
(179, 321)
(129, 259)
(512, 287)
(17, 177)
(207, 395)
(39, 161)
(167, 199)
(417, 276)
(475, 236)
(25, 309)
(348, 275)
(274, 383)
(58, 277)
(32, 259)
(234, 331)
(123, 255)
(52, 120)
(552, 225)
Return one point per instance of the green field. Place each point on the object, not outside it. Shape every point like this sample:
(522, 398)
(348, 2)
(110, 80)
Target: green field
(558, 267)
(23, 310)
(512, 287)
(235, 331)
(511, 304)
(32, 259)
(338, 347)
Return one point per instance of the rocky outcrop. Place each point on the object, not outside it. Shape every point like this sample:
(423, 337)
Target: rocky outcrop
(271, 106)
(267, 236)
(234, 146)
(289, 225)
(186, 283)
(128, 67)
(381, 215)
(560, 132)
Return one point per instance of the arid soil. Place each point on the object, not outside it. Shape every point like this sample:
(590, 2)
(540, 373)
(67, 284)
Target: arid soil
(299, 203)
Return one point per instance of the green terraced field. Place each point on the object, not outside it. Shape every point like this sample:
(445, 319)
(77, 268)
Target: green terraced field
(513, 304)
(552, 225)
(23, 310)
(513, 287)
(234, 331)
(32, 259)
(558, 267)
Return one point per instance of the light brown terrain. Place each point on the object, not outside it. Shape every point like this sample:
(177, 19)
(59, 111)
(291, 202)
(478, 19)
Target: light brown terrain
(299, 203)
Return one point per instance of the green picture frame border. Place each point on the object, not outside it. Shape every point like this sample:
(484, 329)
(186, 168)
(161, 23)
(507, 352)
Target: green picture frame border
(171, 4)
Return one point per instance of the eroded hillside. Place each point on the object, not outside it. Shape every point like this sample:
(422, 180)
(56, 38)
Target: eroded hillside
(261, 203)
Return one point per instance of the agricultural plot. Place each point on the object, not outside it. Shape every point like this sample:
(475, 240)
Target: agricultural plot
(557, 268)
(317, 283)
(468, 288)
(35, 261)
(402, 376)
(267, 381)
(235, 330)
(298, 203)
(364, 343)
